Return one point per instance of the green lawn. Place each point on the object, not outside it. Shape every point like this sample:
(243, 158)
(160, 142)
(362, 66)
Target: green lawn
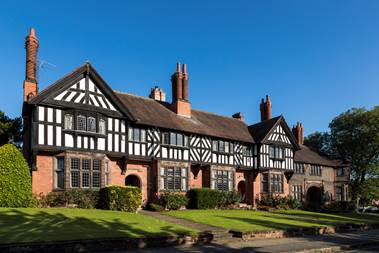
(244, 220)
(33, 224)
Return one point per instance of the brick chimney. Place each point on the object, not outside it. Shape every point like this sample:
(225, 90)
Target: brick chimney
(30, 83)
(298, 131)
(158, 94)
(239, 116)
(266, 110)
(180, 102)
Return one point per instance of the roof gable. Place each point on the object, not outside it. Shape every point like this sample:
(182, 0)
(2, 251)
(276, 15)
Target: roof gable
(82, 88)
(274, 130)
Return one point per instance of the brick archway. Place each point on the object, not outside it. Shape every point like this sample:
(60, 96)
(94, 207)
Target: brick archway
(133, 180)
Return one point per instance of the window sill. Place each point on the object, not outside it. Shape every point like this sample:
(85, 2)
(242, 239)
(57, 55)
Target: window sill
(84, 133)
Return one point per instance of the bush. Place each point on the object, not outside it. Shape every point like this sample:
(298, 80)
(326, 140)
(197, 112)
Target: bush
(15, 179)
(172, 201)
(155, 207)
(205, 198)
(278, 202)
(338, 206)
(121, 198)
(82, 198)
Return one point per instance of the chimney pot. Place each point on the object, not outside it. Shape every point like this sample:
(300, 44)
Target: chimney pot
(239, 116)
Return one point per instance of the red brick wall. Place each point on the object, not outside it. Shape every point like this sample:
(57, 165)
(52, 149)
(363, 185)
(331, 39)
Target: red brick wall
(139, 170)
(42, 178)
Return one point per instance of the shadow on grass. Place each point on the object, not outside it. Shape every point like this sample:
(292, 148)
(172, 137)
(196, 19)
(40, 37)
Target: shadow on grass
(334, 218)
(17, 225)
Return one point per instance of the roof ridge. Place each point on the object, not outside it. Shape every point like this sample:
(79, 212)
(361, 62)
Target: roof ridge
(223, 116)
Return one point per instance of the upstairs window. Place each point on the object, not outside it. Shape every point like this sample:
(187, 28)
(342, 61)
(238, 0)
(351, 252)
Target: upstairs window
(101, 126)
(222, 146)
(81, 123)
(276, 153)
(91, 124)
(340, 172)
(298, 168)
(315, 170)
(137, 134)
(175, 139)
(69, 122)
(248, 151)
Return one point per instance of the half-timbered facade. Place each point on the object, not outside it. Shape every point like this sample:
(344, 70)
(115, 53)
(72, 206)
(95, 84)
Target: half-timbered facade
(79, 133)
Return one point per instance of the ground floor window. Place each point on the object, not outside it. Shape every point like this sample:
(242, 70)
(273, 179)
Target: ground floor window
(85, 173)
(297, 192)
(173, 179)
(339, 193)
(222, 180)
(59, 173)
(272, 183)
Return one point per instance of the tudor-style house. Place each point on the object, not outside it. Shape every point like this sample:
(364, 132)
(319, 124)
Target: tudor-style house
(79, 133)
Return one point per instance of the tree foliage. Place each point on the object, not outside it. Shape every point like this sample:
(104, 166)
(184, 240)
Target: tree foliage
(355, 138)
(10, 130)
(15, 179)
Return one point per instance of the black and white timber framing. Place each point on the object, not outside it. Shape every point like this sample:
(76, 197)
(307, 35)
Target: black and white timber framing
(84, 92)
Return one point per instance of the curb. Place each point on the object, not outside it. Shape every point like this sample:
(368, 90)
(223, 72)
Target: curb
(114, 244)
(299, 232)
(333, 249)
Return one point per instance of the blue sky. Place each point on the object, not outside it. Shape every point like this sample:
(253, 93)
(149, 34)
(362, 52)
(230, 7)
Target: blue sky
(315, 59)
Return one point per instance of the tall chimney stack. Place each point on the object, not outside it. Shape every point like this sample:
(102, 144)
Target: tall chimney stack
(180, 102)
(266, 109)
(158, 94)
(185, 83)
(31, 83)
(298, 131)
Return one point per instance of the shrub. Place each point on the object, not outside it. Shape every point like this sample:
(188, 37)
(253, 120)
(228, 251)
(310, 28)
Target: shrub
(205, 198)
(338, 206)
(279, 202)
(155, 207)
(121, 198)
(15, 179)
(82, 198)
(172, 201)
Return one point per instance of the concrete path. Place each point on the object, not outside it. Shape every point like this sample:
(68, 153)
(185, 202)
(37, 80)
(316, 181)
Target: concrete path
(366, 240)
(185, 223)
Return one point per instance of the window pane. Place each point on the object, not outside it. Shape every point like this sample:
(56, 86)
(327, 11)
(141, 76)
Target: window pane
(227, 147)
(96, 165)
(136, 134)
(130, 134)
(86, 164)
(91, 124)
(185, 141)
(143, 135)
(96, 179)
(68, 121)
(272, 152)
(180, 140)
(102, 126)
(172, 138)
(165, 138)
(75, 172)
(81, 124)
(214, 146)
(221, 147)
(85, 179)
(60, 172)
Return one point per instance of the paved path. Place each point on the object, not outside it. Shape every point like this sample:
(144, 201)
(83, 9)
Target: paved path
(301, 244)
(185, 223)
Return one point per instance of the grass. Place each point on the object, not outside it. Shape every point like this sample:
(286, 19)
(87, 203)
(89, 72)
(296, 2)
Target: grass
(244, 220)
(59, 224)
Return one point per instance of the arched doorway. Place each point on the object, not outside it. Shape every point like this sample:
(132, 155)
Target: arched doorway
(242, 190)
(314, 196)
(133, 180)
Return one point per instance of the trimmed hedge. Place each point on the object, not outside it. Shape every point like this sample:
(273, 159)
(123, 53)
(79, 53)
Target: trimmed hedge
(172, 201)
(15, 178)
(120, 198)
(278, 202)
(81, 198)
(205, 198)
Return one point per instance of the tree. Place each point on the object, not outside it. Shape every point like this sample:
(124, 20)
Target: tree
(15, 179)
(10, 130)
(319, 142)
(355, 138)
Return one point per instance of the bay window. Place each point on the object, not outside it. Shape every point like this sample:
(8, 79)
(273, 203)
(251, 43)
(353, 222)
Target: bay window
(222, 180)
(272, 182)
(173, 179)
